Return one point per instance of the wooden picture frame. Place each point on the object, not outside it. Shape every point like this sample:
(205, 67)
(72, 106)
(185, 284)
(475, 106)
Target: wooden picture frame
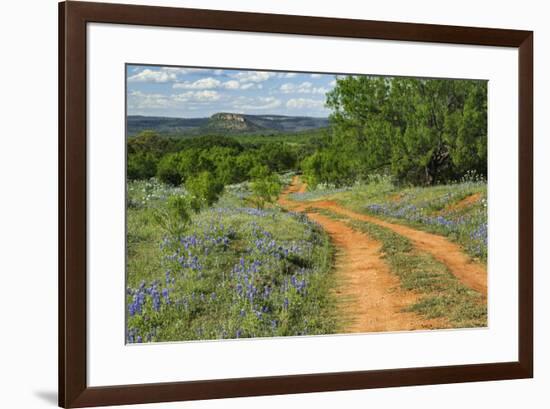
(73, 388)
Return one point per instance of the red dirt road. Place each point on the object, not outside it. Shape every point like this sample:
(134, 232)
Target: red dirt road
(369, 295)
(469, 272)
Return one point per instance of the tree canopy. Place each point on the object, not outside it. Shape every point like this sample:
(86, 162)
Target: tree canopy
(421, 131)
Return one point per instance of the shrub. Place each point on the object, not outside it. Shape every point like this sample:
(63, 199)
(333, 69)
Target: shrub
(204, 189)
(168, 169)
(176, 216)
(141, 165)
(265, 187)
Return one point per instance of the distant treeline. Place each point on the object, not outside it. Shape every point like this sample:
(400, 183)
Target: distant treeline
(419, 131)
(174, 160)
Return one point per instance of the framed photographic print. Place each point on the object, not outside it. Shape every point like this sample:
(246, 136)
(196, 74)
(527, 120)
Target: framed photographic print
(256, 204)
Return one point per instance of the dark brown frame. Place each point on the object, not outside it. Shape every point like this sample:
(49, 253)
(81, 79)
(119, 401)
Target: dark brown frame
(73, 389)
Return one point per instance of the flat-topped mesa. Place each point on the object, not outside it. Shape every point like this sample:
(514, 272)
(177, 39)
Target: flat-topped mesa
(229, 122)
(226, 116)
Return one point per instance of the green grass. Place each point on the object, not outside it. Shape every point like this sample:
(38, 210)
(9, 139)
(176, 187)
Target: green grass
(442, 294)
(235, 272)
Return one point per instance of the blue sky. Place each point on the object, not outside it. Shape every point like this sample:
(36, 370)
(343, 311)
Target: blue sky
(197, 92)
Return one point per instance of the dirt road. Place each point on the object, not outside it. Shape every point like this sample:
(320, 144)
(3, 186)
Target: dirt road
(470, 273)
(369, 295)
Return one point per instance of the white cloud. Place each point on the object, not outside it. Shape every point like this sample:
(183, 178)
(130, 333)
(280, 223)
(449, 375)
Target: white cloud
(206, 96)
(287, 75)
(207, 83)
(148, 75)
(203, 83)
(231, 84)
(300, 103)
(316, 75)
(167, 74)
(303, 88)
(177, 70)
(197, 96)
(288, 87)
(203, 71)
(253, 76)
(256, 103)
(332, 83)
(140, 100)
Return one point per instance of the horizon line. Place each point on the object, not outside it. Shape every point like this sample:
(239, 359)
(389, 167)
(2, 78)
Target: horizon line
(225, 112)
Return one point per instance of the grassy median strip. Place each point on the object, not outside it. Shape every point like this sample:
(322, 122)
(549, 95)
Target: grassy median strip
(442, 295)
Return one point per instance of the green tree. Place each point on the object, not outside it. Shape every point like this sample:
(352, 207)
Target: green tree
(277, 157)
(244, 164)
(141, 165)
(204, 190)
(266, 186)
(168, 170)
(224, 160)
(445, 134)
(330, 165)
(422, 131)
(175, 168)
(144, 152)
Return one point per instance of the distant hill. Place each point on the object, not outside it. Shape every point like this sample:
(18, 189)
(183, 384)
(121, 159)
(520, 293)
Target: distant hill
(232, 123)
(223, 123)
(163, 125)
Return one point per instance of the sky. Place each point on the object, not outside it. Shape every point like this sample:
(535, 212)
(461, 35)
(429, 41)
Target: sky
(199, 92)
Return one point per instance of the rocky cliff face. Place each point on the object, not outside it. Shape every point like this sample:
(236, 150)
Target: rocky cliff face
(230, 122)
(228, 117)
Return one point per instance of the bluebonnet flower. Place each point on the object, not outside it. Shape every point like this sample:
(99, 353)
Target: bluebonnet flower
(132, 309)
(156, 299)
(131, 335)
(166, 295)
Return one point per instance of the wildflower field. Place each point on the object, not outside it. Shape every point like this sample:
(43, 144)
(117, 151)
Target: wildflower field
(236, 272)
